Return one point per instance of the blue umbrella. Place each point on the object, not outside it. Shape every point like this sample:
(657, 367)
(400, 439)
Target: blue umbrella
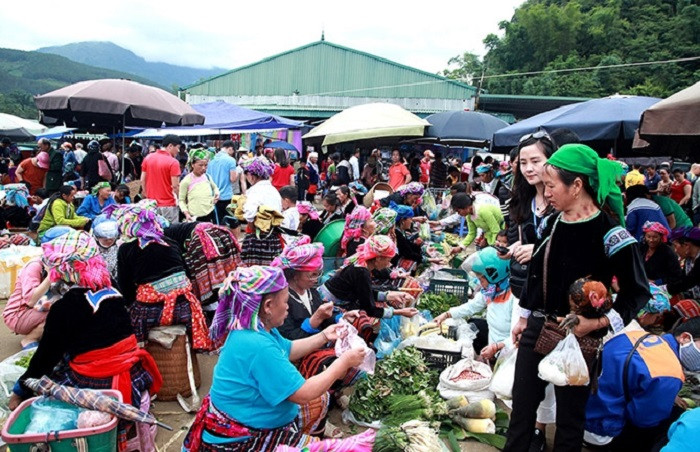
(608, 118)
(281, 145)
(463, 127)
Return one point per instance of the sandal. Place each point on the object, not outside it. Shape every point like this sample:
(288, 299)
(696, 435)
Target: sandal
(331, 431)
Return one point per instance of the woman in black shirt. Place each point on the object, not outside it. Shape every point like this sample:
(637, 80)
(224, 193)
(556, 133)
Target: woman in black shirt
(584, 240)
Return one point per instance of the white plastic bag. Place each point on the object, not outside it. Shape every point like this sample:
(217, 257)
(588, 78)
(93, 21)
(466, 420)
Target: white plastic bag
(348, 339)
(474, 389)
(565, 366)
(504, 374)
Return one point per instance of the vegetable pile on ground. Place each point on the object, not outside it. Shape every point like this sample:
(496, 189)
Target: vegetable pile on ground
(479, 420)
(437, 303)
(403, 381)
(411, 436)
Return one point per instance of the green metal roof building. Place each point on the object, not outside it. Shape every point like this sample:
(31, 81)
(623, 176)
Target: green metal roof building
(317, 80)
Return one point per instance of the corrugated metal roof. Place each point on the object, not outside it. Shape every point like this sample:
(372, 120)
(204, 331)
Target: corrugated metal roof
(326, 69)
(523, 106)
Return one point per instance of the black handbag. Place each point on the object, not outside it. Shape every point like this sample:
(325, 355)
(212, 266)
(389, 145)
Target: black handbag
(518, 271)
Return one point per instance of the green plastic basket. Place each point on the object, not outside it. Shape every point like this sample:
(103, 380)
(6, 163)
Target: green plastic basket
(97, 439)
(330, 236)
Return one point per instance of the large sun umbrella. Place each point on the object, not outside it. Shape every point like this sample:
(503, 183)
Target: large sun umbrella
(609, 118)
(375, 120)
(15, 127)
(91, 400)
(468, 128)
(114, 103)
(677, 115)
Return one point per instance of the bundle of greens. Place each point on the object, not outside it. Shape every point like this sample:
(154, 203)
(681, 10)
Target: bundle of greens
(404, 374)
(24, 360)
(411, 436)
(437, 303)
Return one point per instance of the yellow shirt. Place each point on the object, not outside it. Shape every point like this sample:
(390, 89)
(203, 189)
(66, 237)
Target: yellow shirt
(634, 177)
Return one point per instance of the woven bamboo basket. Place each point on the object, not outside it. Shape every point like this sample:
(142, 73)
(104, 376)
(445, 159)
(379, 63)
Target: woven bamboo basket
(173, 367)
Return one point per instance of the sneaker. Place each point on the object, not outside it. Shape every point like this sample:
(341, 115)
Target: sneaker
(538, 442)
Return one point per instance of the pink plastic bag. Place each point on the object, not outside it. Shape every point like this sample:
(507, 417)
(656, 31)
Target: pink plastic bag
(358, 443)
(348, 339)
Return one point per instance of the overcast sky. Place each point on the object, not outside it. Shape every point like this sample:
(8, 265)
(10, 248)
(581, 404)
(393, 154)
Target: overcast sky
(206, 33)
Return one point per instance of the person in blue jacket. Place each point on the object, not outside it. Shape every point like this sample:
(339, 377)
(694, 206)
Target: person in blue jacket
(636, 399)
(93, 203)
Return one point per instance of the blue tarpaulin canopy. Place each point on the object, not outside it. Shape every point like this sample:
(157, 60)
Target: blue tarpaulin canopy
(467, 127)
(222, 115)
(608, 118)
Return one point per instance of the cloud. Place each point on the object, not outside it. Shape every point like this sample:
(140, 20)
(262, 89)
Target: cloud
(207, 33)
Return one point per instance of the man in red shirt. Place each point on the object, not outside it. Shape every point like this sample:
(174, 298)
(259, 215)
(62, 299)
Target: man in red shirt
(160, 177)
(425, 166)
(398, 173)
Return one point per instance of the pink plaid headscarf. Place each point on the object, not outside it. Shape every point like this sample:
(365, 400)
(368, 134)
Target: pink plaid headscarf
(306, 208)
(75, 259)
(353, 225)
(303, 256)
(655, 226)
(375, 246)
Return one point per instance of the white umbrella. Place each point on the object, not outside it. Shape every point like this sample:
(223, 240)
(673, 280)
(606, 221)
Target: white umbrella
(16, 127)
(369, 121)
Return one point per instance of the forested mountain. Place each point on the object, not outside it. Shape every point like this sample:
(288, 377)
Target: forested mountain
(111, 56)
(26, 74)
(545, 35)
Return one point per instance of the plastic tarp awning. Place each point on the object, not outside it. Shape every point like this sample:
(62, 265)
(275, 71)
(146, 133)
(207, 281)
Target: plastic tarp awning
(608, 118)
(222, 115)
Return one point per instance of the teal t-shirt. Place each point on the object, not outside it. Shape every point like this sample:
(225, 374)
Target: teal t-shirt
(669, 206)
(254, 378)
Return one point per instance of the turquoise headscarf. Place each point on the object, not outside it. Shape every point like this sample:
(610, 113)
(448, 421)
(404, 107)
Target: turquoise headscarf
(602, 174)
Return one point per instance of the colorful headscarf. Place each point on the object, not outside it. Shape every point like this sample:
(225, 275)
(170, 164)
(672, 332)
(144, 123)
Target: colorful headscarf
(75, 259)
(306, 208)
(685, 232)
(375, 246)
(402, 212)
(17, 194)
(302, 256)
(602, 174)
(655, 226)
(385, 218)
(353, 225)
(259, 166)
(239, 304)
(412, 188)
(198, 154)
(267, 218)
(99, 186)
(137, 221)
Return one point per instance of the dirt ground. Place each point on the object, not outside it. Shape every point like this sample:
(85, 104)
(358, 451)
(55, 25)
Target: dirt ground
(172, 414)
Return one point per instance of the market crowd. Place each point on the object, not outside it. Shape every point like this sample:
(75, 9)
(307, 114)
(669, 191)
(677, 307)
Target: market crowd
(276, 265)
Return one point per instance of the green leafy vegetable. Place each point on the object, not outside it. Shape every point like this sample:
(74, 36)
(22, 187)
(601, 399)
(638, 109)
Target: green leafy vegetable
(403, 373)
(437, 303)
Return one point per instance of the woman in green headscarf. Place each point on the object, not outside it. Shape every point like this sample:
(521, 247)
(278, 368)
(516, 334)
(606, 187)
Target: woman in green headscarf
(198, 192)
(584, 239)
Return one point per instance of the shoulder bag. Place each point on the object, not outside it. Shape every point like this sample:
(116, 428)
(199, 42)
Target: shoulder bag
(551, 333)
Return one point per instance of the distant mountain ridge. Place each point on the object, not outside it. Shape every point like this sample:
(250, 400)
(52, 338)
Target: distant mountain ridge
(26, 74)
(111, 56)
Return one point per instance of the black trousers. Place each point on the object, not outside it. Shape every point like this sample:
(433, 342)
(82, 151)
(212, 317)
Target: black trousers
(528, 392)
(221, 210)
